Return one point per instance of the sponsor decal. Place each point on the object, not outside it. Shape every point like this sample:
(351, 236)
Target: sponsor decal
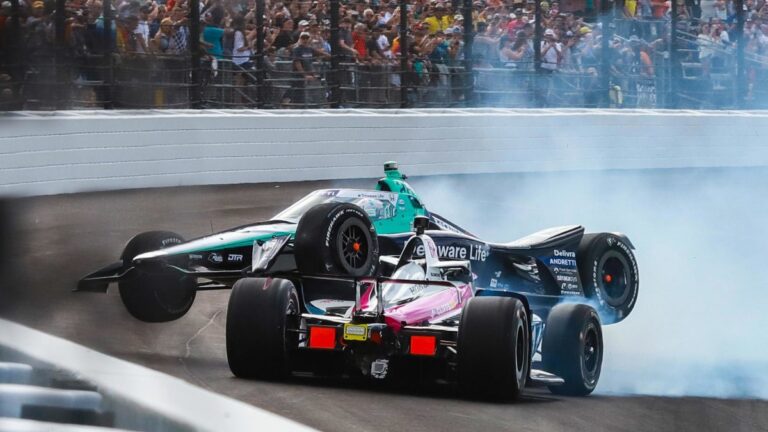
(236, 258)
(330, 229)
(562, 262)
(440, 310)
(493, 283)
(566, 278)
(195, 256)
(564, 270)
(170, 241)
(569, 287)
(215, 258)
(564, 253)
(473, 252)
(444, 225)
(610, 240)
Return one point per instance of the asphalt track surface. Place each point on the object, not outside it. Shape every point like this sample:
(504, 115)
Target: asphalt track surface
(60, 238)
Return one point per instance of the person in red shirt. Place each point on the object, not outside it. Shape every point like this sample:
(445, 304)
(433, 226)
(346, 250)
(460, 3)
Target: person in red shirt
(358, 40)
(516, 23)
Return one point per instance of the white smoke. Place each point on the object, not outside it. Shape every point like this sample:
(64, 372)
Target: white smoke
(699, 326)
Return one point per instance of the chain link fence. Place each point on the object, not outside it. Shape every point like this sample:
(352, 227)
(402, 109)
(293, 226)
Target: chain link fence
(49, 63)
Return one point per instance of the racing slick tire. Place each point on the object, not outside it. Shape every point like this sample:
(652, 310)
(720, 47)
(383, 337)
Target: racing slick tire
(608, 271)
(336, 239)
(572, 348)
(262, 328)
(164, 295)
(493, 348)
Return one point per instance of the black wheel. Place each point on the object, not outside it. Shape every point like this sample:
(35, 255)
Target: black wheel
(262, 328)
(159, 296)
(493, 348)
(336, 238)
(573, 348)
(608, 271)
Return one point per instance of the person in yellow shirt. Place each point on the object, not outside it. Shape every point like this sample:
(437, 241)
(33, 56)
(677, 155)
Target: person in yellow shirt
(630, 8)
(439, 21)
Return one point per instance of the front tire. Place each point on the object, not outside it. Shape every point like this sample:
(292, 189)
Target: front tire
(573, 348)
(161, 296)
(336, 239)
(493, 348)
(609, 275)
(262, 328)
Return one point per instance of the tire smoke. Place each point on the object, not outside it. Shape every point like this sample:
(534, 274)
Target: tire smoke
(698, 328)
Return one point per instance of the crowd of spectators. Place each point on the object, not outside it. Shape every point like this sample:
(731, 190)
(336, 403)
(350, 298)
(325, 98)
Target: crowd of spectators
(297, 33)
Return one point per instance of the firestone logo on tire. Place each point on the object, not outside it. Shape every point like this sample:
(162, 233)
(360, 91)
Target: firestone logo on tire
(330, 228)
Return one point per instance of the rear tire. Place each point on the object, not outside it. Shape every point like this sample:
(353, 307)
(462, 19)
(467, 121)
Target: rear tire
(493, 348)
(262, 323)
(609, 275)
(336, 239)
(161, 296)
(573, 348)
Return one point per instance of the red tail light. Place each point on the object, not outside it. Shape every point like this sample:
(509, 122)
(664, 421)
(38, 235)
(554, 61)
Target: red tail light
(322, 337)
(423, 345)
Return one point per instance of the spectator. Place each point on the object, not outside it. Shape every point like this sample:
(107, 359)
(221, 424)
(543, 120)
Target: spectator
(346, 42)
(551, 52)
(213, 35)
(243, 39)
(285, 38)
(181, 33)
(303, 66)
(142, 29)
(438, 20)
(516, 53)
(164, 41)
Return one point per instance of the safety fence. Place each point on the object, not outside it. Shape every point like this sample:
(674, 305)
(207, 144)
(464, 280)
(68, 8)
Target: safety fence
(634, 63)
(167, 82)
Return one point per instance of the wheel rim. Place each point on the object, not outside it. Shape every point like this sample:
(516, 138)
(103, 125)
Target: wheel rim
(591, 352)
(614, 279)
(354, 247)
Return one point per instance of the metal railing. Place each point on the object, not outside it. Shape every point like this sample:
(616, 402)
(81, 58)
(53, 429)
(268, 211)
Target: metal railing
(687, 73)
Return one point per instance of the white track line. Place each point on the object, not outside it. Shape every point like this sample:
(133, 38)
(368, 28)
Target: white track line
(171, 397)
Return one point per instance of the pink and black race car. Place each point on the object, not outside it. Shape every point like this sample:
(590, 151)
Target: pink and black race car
(426, 315)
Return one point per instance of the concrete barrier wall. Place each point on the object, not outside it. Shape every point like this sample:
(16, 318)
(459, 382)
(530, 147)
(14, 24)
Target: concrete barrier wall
(82, 151)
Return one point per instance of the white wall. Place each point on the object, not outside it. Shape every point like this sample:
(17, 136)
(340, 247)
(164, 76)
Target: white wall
(44, 153)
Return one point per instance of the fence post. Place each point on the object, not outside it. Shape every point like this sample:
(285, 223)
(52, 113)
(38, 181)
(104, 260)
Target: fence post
(108, 72)
(741, 42)
(674, 58)
(261, 72)
(335, 74)
(469, 36)
(196, 89)
(17, 55)
(537, 37)
(607, 22)
(61, 86)
(403, 52)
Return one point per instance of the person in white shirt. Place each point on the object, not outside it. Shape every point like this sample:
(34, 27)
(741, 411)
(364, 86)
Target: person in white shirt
(241, 51)
(142, 30)
(551, 51)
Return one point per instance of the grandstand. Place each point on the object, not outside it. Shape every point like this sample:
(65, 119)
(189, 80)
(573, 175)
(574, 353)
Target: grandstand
(81, 54)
